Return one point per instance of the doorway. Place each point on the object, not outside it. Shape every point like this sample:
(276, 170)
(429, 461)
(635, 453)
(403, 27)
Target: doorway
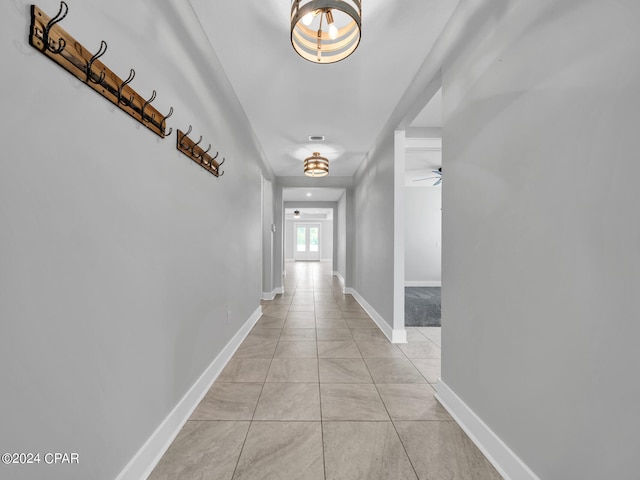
(306, 241)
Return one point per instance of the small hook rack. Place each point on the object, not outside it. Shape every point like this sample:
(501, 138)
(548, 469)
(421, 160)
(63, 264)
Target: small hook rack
(196, 153)
(54, 42)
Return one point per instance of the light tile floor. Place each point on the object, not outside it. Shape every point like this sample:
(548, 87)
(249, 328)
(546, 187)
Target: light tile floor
(316, 391)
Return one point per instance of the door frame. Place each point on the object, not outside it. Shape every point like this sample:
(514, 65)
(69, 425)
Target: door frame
(295, 239)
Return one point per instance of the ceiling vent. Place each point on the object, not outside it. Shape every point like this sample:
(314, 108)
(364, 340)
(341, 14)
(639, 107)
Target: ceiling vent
(316, 138)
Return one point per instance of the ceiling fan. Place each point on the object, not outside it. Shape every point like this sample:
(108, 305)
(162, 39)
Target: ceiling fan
(438, 176)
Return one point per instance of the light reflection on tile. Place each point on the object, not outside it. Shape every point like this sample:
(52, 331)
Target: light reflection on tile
(450, 453)
(428, 367)
(420, 350)
(412, 402)
(393, 370)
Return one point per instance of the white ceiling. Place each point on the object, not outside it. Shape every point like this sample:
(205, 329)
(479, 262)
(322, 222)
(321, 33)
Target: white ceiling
(312, 194)
(431, 115)
(287, 98)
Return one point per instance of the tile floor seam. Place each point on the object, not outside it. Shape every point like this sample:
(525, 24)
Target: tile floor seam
(404, 447)
(246, 435)
(253, 416)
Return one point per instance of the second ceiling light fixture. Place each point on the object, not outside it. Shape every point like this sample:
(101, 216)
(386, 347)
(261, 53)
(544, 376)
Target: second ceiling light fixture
(325, 31)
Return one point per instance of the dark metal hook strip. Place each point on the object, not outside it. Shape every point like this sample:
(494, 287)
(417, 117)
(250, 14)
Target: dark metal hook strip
(101, 52)
(45, 34)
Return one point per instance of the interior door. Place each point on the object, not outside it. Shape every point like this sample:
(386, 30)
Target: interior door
(306, 241)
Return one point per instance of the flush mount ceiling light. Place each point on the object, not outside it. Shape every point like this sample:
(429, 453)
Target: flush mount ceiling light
(316, 166)
(325, 31)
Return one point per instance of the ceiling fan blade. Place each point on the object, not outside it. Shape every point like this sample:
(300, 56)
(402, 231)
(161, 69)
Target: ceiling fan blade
(438, 182)
(437, 172)
(425, 178)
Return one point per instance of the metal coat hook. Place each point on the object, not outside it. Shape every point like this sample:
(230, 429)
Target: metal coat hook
(164, 121)
(45, 34)
(183, 145)
(203, 155)
(153, 97)
(193, 147)
(132, 74)
(100, 52)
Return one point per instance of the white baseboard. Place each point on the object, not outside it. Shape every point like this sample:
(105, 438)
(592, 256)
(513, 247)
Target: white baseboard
(508, 464)
(145, 460)
(399, 335)
(394, 335)
(420, 283)
(272, 294)
(340, 279)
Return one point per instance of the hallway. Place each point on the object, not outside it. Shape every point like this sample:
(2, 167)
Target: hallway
(317, 392)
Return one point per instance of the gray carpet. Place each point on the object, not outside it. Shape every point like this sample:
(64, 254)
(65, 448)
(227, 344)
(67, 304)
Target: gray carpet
(422, 306)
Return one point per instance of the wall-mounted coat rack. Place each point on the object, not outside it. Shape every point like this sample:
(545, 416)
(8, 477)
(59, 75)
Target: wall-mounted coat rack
(196, 153)
(50, 39)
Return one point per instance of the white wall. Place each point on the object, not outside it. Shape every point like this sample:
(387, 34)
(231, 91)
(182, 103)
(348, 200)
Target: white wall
(541, 266)
(288, 239)
(268, 289)
(373, 211)
(326, 245)
(119, 257)
(341, 226)
(423, 236)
